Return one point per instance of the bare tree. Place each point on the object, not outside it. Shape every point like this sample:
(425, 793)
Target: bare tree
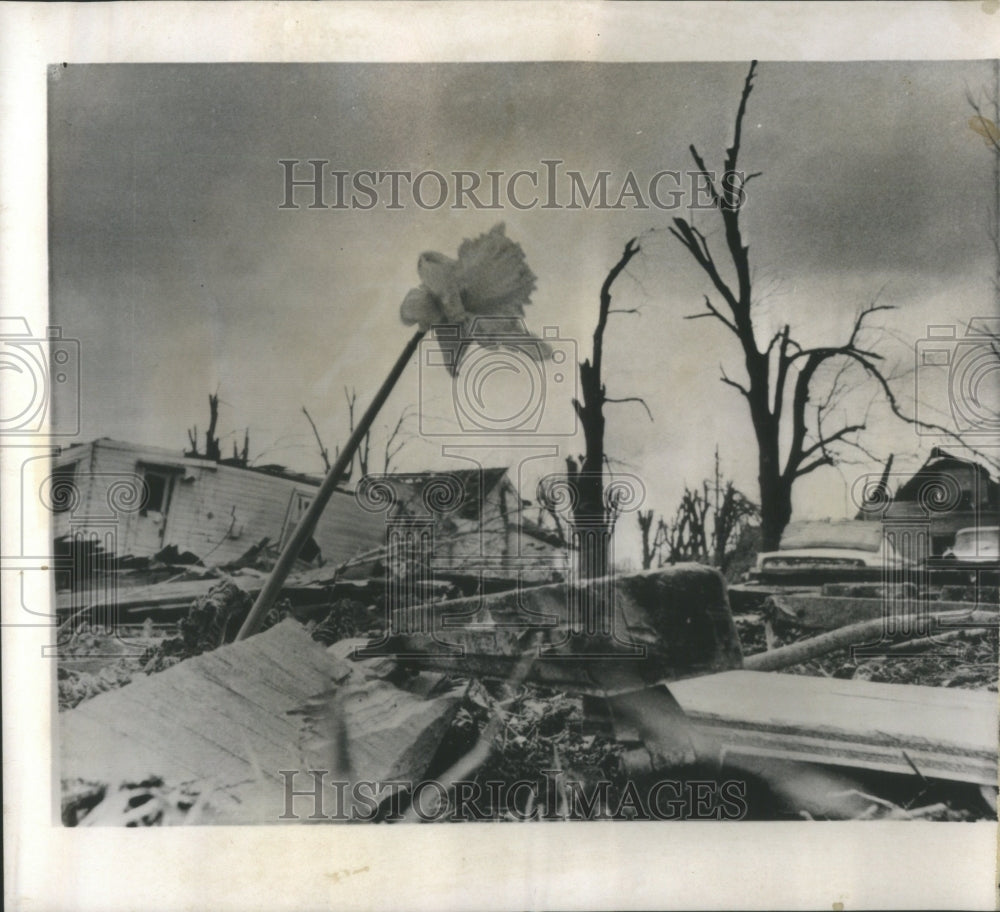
(241, 457)
(395, 441)
(782, 376)
(733, 512)
(365, 446)
(323, 451)
(212, 448)
(705, 526)
(645, 518)
(685, 537)
(593, 516)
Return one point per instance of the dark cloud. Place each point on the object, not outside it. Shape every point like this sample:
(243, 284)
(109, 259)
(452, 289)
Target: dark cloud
(168, 249)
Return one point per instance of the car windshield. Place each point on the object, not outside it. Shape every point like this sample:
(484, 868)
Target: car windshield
(973, 541)
(851, 534)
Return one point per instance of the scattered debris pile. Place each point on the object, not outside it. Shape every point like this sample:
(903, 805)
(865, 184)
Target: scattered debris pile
(211, 622)
(959, 652)
(518, 706)
(76, 686)
(148, 803)
(92, 663)
(539, 730)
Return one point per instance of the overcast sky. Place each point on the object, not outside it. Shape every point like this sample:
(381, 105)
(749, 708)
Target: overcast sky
(174, 266)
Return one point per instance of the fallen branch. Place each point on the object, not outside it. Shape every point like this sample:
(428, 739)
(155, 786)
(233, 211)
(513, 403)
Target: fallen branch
(921, 643)
(852, 635)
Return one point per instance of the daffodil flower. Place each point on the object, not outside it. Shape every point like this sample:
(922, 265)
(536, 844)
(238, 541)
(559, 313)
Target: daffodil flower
(478, 298)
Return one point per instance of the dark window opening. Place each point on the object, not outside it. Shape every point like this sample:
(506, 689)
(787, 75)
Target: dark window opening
(310, 552)
(158, 492)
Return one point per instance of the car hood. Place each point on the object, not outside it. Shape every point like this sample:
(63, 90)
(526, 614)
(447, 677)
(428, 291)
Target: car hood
(803, 555)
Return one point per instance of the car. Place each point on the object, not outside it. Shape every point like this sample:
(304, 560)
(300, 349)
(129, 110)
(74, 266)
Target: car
(973, 559)
(976, 544)
(813, 553)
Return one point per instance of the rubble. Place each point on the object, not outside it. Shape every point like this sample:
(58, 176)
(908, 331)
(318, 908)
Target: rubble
(204, 738)
(665, 624)
(232, 719)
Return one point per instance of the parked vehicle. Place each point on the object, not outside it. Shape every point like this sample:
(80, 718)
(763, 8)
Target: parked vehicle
(977, 544)
(973, 559)
(813, 553)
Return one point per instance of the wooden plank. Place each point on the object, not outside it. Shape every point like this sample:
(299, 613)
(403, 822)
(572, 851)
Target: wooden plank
(948, 733)
(136, 600)
(226, 719)
(156, 595)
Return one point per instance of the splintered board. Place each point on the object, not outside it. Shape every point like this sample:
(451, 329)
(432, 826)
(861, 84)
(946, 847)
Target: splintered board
(232, 720)
(946, 733)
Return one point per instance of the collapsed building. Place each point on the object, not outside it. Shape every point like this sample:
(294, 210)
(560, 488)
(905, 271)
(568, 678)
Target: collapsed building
(130, 502)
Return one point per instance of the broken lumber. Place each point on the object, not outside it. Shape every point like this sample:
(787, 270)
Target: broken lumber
(947, 733)
(160, 596)
(667, 623)
(226, 720)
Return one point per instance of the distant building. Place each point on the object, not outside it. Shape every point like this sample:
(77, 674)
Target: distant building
(950, 492)
(131, 501)
(486, 531)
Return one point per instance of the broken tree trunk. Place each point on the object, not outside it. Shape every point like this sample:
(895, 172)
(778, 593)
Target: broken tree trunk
(859, 635)
(658, 625)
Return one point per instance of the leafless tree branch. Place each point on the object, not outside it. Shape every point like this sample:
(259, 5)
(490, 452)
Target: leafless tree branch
(323, 451)
(638, 399)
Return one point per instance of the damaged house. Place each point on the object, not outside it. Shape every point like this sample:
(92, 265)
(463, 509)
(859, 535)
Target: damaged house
(948, 493)
(481, 527)
(136, 501)
(126, 500)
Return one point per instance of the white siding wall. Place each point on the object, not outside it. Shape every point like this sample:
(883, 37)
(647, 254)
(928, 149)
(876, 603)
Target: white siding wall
(216, 512)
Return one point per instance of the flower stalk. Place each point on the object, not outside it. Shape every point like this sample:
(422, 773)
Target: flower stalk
(307, 525)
